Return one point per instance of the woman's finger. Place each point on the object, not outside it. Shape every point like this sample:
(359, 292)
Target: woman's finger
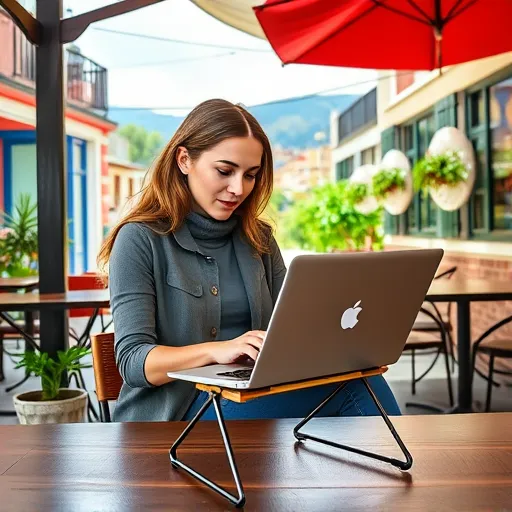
(250, 351)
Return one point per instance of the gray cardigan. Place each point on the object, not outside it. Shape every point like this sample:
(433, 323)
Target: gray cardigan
(161, 293)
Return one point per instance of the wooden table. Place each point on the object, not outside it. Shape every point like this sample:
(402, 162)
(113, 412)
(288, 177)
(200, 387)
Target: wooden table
(463, 292)
(461, 463)
(29, 302)
(18, 283)
(52, 301)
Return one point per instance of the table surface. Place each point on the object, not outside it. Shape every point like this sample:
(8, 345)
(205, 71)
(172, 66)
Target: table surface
(460, 463)
(469, 289)
(17, 283)
(68, 300)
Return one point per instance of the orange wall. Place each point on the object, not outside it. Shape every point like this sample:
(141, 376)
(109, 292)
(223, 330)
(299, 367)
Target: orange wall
(8, 124)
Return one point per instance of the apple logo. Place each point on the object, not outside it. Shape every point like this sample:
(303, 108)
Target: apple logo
(349, 318)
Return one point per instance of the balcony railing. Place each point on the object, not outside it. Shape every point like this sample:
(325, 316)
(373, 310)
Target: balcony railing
(362, 113)
(86, 81)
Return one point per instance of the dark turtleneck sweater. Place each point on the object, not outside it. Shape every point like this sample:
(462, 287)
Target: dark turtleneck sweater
(214, 239)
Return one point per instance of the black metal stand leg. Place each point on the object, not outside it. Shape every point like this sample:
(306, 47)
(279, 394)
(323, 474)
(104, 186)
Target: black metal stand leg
(465, 393)
(403, 465)
(2, 376)
(84, 338)
(239, 500)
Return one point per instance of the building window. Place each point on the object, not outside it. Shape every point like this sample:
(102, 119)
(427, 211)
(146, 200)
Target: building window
(477, 108)
(428, 215)
(490, 130)
(500, 100)
(344, 168)
(130, 187)
(117, 191)
(368, 156)
(415, 137)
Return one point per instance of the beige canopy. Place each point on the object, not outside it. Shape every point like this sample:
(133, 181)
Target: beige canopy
(236, 13)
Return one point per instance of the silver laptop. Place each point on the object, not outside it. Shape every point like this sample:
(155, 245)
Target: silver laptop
(336, 313)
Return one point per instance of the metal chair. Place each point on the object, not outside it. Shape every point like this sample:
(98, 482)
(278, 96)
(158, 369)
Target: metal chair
(424, 323)
(428, 341)
(432, 332)
(493, 349)
(9, 332)
(106, 375)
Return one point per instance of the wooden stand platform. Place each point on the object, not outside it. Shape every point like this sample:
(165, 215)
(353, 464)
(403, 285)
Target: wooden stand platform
(242, 396)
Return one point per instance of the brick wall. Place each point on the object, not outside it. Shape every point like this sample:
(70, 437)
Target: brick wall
(483, 314)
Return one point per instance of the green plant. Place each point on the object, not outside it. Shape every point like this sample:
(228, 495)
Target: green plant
(18, 239)
(328, 221)
(386, 181)
(51, 370)
(436, 170)
(357, 192)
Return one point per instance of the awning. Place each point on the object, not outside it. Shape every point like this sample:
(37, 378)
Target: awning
(235, 13)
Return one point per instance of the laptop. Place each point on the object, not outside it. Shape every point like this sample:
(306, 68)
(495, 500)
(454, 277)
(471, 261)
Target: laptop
(336, 313)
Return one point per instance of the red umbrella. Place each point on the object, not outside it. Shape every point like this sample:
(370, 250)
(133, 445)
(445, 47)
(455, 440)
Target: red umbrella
(386, 34)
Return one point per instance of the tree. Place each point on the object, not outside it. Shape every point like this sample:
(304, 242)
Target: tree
(144, 145)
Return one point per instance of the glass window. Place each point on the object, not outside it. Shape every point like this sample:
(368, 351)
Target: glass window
(368, 156)
(408, 135)
(428, 208)
(479, 191)
(501, 152)
(477, 108)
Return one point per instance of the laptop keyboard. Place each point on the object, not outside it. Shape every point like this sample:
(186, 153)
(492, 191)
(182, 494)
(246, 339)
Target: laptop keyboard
(238, 374)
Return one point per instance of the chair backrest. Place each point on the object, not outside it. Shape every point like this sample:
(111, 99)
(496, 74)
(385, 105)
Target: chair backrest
(106, 375)
(448, 273)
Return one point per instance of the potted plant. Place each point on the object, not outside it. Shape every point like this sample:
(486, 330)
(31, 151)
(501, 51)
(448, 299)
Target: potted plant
(18, 240)
(437, 170)
(52, 404)
(388, 181)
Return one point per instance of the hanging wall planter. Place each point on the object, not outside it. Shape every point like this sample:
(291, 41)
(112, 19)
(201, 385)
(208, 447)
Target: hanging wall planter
(361, 189)
(392, 184)
(448, 169)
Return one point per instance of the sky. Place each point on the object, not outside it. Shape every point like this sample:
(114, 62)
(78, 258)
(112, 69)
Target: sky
(159, 74)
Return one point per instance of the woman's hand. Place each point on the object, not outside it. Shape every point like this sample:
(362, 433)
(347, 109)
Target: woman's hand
(246, 346)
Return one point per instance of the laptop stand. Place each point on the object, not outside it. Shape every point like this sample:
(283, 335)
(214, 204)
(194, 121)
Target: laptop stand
(241, 396)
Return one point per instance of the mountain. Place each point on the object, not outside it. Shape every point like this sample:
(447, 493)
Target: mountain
(289, 123)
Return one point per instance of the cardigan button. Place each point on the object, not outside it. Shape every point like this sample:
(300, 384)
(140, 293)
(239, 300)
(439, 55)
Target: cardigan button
(214, 290)
(213, 332)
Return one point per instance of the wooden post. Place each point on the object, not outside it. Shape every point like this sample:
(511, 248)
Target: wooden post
(51, 175)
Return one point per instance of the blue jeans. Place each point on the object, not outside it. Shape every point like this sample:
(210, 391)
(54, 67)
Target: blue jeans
(352, 400)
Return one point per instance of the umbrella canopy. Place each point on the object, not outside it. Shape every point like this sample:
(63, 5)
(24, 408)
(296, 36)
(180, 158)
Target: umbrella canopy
(386, 34)
(236, 13)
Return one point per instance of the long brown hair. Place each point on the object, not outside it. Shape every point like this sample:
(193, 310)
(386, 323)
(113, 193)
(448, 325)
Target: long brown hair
(166, 199)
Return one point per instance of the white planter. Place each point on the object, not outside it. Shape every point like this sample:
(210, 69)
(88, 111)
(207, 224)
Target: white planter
(452, 197)
(398, 201)
(31, 410)
(363, 176)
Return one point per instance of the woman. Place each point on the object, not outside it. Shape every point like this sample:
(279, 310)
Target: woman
(194, 274)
